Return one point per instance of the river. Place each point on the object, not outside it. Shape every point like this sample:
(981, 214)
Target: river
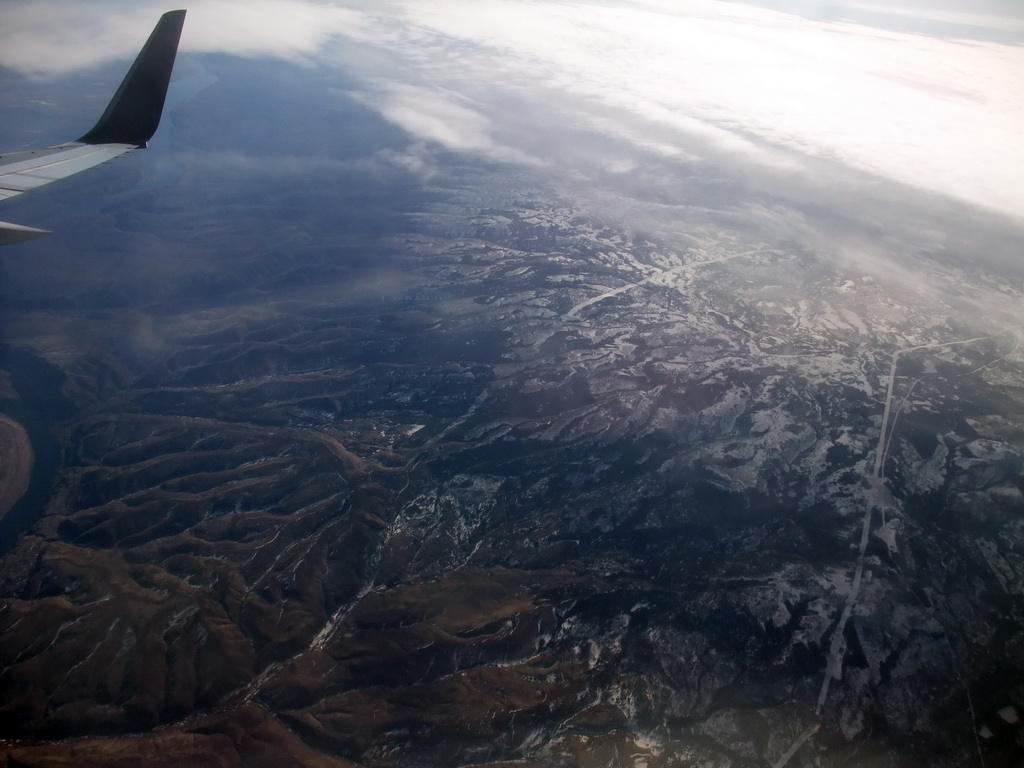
(39, 408)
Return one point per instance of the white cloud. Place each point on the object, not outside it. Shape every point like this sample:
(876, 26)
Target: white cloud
(55, 37)
(942, 116)
(49, 38)
(435, 115)
(973, 16)
(287, 29)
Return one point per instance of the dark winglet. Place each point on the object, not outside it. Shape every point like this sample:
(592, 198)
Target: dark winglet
(133, 115)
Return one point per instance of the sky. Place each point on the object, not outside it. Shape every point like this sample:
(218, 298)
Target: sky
(943, 115)
(836, 101)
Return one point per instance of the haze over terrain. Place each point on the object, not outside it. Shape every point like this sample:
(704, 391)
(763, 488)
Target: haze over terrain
(629, 383)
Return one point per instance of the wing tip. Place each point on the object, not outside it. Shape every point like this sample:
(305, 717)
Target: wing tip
(16, 233)
(133, 114)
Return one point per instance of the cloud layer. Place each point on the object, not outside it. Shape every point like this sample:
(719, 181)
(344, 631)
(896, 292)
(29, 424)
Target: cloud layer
(519, 81)
(57, 37)
(939, 115)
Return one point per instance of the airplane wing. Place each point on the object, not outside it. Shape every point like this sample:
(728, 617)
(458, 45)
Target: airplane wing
(129, 121)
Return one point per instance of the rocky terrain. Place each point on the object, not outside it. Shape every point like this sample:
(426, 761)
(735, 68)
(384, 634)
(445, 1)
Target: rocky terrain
(522, 489)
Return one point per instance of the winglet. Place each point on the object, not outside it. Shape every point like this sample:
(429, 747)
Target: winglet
(133, 115)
